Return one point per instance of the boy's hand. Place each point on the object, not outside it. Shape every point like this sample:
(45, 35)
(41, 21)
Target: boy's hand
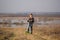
(30, 20)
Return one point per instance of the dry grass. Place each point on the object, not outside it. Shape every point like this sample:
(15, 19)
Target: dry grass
(44, 32)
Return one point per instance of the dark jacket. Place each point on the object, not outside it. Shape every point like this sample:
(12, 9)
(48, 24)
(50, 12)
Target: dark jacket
(31, 20)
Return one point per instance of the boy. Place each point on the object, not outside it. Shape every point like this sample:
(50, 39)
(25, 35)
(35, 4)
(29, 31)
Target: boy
(30, 21)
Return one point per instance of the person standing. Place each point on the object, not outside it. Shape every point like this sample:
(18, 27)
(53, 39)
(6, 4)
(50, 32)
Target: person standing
(30, 22)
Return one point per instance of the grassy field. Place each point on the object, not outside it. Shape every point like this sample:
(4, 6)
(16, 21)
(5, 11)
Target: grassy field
(44, 32)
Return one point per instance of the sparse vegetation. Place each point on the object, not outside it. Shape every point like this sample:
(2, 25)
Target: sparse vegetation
(41, 32)
(6, 35)
(44, 32)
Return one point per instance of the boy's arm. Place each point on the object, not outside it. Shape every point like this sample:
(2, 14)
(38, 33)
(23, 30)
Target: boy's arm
(30, 20)
(27, 20)
(33, 20)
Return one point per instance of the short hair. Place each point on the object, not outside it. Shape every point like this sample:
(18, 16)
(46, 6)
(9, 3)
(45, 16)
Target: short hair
(31, 14)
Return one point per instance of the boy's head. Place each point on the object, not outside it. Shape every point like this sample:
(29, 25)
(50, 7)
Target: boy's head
(31, 15)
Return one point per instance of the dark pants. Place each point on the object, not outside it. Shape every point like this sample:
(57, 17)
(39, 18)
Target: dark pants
(30, 29)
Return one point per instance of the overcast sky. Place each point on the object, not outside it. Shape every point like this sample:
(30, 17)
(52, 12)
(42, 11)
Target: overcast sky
(15, 6)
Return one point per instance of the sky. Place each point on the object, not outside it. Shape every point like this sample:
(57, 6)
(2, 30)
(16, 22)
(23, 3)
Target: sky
(16, 6)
